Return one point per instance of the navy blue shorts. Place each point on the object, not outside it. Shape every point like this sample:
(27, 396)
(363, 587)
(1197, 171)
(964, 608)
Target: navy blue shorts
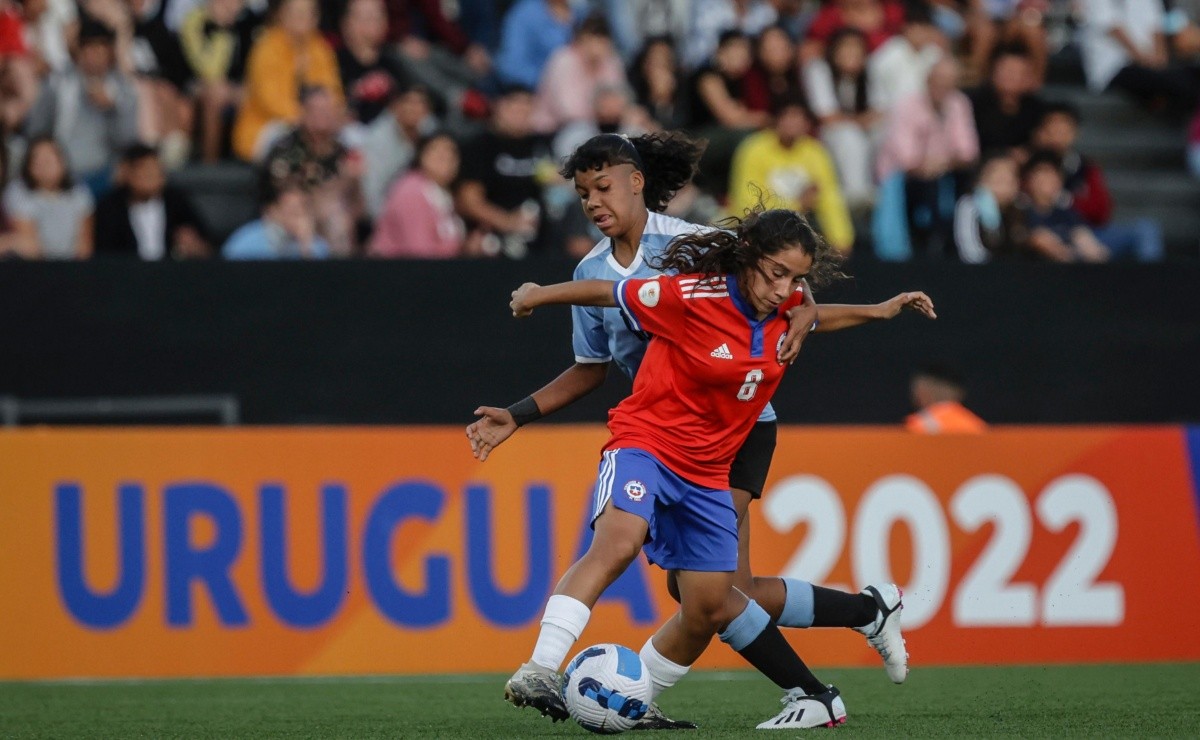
(691, 527)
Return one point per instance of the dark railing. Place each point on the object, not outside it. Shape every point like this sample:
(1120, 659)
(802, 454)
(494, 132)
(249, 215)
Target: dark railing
(393, 343)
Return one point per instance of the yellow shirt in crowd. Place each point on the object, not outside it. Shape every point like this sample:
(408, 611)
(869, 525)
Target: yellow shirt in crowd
(784, 174)
(209, 54)
(273, 85)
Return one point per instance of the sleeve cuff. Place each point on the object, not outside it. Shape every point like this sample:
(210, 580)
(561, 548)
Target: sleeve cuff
(619, 296)
(592, 360)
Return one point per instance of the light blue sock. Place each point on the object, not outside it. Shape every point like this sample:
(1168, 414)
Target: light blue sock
(798, 606)
(746, 627)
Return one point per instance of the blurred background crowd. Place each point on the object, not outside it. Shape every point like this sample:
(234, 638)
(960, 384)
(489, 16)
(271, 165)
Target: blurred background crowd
(970, 130)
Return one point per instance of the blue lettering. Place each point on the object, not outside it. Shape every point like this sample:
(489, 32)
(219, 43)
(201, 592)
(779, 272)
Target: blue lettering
(513, 608)
(315, 607)
(210, 565)
(403, 501)
(100, 610)
(630, 587)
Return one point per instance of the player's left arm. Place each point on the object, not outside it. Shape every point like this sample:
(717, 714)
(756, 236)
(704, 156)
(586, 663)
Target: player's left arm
(833, 317)
(652, 306)
(575, 293)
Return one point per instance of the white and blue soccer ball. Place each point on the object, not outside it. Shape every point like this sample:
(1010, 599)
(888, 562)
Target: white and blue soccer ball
(607, 688)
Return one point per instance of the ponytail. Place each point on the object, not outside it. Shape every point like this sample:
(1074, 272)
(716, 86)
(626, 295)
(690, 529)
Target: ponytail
(668, 160)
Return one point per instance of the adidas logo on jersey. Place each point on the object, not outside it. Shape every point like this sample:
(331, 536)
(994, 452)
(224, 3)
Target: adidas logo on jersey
(722, 353)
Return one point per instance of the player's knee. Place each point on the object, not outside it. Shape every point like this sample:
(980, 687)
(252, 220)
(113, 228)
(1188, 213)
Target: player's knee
(703, 624)
(614, 553)
(705, 615)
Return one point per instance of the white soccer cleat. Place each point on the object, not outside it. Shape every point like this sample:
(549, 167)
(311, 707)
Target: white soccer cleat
(538, 687)
(884, 633)
(801, 711)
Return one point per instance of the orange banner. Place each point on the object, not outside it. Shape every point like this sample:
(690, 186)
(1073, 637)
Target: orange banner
(348, 551)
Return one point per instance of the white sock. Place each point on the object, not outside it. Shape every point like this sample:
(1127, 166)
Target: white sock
(562, 624)
(664, 673)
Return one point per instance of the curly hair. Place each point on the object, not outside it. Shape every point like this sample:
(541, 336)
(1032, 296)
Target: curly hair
(669, 160)
(739, 244)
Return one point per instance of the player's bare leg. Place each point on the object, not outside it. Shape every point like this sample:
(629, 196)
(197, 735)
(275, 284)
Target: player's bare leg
(874, 612)
(708, 603)
(618, 539)
(770, 593)
(748, 629)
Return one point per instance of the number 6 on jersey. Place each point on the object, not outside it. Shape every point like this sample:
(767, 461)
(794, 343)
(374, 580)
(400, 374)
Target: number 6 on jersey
(750, 387)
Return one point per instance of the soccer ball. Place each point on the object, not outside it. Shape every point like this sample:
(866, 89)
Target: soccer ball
(607, 689)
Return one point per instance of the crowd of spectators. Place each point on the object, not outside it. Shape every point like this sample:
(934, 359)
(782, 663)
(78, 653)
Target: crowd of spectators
(427, 129)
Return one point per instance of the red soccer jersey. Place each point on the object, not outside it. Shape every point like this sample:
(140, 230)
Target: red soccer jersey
(707, 374)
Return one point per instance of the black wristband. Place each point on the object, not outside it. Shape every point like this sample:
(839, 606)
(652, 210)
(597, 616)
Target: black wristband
(525, 411)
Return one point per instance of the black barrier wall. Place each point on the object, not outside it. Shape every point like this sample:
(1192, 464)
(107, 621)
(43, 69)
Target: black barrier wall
(392, 343)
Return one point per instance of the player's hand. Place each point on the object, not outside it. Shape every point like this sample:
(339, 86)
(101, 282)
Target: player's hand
(489, 432)
(800, 322)
(916, 301)
(521, 303)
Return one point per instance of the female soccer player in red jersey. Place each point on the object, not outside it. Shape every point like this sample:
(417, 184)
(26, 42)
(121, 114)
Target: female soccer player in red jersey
(624, 184)
(664, 478)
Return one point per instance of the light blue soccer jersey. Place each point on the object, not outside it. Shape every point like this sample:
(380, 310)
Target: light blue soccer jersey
(600, 334)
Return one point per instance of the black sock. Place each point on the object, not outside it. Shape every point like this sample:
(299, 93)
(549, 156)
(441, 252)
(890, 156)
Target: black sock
(840, 609)
(775, 659)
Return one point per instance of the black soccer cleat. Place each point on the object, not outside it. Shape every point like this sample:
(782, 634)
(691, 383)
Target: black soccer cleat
(654, 719)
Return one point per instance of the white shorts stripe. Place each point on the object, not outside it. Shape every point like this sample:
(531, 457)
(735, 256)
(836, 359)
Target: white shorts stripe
(604, 482)
(599, 491)
(612, 478)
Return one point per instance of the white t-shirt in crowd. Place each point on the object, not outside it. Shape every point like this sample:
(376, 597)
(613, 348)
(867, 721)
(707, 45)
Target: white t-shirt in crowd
(1103, 56)
(58, 216)
(897, 70)
(149, 221)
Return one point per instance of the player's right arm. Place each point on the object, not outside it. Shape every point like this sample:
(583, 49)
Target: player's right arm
(592, 357)
(495, 425)
(529, 296)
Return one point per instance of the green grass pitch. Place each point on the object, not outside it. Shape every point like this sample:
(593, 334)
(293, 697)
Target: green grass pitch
(1045, 701)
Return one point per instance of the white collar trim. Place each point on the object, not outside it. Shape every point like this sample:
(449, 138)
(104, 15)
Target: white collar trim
(624, 271)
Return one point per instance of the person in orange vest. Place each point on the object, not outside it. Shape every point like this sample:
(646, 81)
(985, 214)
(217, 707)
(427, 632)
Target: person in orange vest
(937, 393)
